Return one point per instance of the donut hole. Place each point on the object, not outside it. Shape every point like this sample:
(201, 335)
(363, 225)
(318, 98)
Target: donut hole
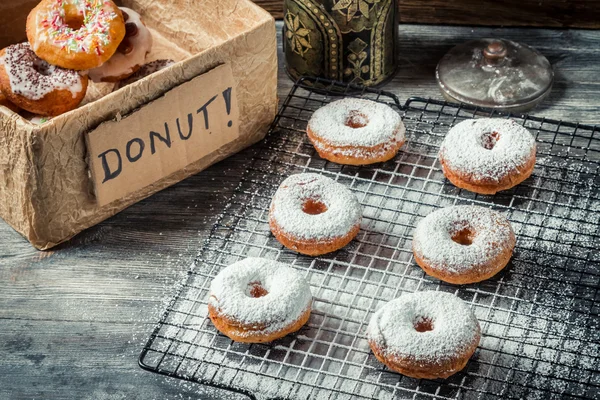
(41, 67)
(423, 324)
(489, 140)
(356, 119)
(313, 207)
(74, 21)
(256, 289)
(464, 236)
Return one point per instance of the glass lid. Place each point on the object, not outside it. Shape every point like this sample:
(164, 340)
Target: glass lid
(495, 73)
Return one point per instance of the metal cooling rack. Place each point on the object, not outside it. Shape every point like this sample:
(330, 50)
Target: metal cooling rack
(539, 316)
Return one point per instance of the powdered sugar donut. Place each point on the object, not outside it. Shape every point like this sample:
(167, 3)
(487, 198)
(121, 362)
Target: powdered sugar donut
(463, 244)
(425, 335)
(36, 86)
(313, 214)
(487, 155)
(356, 131)
(131, 53)
(256, 300)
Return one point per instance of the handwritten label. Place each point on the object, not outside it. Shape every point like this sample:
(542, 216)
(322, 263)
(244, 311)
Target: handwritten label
(163, 137)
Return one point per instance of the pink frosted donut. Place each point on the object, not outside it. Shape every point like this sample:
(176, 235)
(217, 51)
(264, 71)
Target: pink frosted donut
(313, 214)
(463, 244)
(487, 155)
(257, 300)
(425, 335)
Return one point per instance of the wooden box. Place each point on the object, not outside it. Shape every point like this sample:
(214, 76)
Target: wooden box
(51, 185)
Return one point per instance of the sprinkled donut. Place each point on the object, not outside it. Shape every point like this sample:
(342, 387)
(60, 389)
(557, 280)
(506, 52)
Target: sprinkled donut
(424, 335)
(487, 155)
(75, 34)
(256, 300)
(130, 54)
(313, 214)
(463, 244)
(36, 86)
(356, 131)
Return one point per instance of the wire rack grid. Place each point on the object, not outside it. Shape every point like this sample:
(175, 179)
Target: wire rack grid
(539, 316)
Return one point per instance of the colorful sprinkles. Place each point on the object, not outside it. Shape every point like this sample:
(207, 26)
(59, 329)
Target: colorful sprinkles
(93, 34)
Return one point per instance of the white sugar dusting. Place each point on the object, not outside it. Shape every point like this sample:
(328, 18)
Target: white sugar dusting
(34, 78)
(464, 148)
(433, 238)
(288, 293)
(343, 208)
(455, 327)
(359, 152)
(383, 123)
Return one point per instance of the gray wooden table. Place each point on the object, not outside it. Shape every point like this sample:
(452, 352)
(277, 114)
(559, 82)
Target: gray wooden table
(73, 320)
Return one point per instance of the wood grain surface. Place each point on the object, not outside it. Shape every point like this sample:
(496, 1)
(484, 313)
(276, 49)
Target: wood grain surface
(73, 320)
(548, 13)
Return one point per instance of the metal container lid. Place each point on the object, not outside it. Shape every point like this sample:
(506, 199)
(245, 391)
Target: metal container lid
(495, 73)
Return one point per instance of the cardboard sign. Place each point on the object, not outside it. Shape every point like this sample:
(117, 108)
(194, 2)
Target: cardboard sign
(194, 119)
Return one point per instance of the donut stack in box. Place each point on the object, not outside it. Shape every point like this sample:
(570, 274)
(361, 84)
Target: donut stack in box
(72, 69)
(68, 42)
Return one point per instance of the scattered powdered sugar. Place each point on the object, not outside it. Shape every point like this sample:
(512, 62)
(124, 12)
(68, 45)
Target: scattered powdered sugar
(433, 237)
(287, 298)
(343, 208)
(383, 124)
(34, 78)
(454, 326)
(464, 148)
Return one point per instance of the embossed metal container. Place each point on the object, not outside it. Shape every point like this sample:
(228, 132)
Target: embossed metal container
(346, 40)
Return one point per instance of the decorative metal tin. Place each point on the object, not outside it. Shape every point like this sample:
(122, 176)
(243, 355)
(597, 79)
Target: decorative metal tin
(495, 73)
(351, 41)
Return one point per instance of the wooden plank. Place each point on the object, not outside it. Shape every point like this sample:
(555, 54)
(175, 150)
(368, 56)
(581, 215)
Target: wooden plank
(150, 249)
(572, 53)
(71, 360)
(75, 318)
(552, 13)
(549, 13)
